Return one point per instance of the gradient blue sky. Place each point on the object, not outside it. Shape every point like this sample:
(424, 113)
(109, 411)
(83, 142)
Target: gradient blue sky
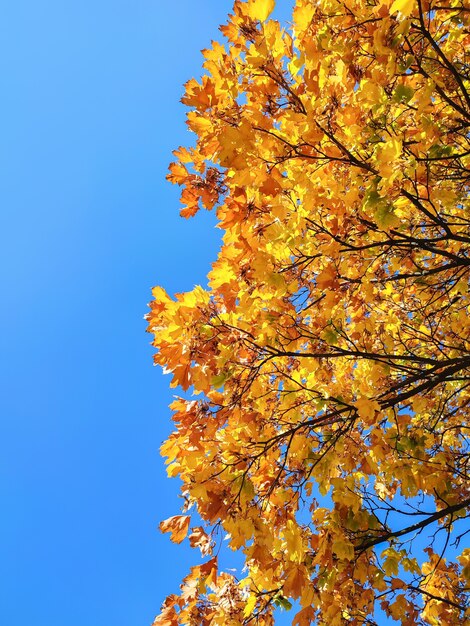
(90, 113)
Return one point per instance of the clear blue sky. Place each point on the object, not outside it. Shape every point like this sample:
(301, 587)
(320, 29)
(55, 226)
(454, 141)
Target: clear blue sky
(90, 113)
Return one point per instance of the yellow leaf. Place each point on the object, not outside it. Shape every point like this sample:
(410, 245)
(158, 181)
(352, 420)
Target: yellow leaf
(303, 16)
(250, 605)
(259, 9)
(391, 563)
(367, 409)
(405, 7)
(344, 549)
(294, 543)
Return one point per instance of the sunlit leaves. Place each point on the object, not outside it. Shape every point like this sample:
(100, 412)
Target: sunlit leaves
(324, 425)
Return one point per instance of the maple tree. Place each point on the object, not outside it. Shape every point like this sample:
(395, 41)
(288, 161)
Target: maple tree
(324, 431)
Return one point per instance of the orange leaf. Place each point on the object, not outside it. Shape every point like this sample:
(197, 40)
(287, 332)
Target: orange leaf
(178, 526)
(200, 539)
(304, 617)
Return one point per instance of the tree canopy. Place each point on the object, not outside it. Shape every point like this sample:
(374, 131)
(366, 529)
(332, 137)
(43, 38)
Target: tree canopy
(323, 429)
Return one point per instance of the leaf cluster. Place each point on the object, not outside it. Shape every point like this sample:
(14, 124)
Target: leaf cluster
(327, 433)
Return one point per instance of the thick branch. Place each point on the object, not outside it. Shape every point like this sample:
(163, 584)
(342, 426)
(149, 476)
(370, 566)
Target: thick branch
(394, 534)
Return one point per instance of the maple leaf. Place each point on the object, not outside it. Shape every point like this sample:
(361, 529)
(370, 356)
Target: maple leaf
(405, 7)
(259, 9)
(177, 525)
(200, 539)
(304, 617)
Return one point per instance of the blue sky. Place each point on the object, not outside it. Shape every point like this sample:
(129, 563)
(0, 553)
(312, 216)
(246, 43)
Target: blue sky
(90, 113)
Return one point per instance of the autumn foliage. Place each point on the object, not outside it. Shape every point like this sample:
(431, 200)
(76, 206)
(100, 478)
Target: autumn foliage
(323, 431)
